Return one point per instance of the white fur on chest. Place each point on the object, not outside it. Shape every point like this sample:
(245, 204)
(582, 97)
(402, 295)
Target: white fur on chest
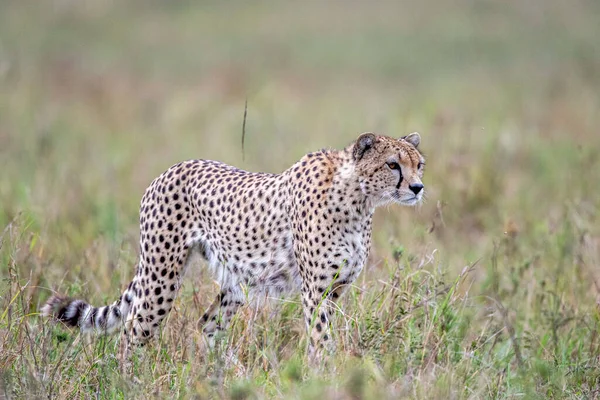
(354, 250)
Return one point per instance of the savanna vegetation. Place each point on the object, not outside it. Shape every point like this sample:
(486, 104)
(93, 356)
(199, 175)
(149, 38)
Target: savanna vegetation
(490, 289)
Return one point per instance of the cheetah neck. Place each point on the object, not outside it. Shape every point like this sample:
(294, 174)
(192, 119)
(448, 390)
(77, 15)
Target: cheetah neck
(347, 191)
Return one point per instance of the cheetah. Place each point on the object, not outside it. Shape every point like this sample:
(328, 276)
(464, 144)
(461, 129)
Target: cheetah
(307, 229)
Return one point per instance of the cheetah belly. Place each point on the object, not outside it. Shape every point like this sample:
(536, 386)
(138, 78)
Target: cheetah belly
(259, 267)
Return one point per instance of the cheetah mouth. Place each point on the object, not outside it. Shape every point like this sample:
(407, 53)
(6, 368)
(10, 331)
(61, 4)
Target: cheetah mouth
(406, 199)
(411, 201)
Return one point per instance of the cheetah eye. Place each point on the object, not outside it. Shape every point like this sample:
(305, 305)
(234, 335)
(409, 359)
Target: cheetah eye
(393, 165)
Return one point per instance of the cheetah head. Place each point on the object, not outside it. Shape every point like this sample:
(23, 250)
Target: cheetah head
(389, 170)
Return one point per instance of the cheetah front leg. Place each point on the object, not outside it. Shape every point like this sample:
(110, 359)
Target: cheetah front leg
(317, 317)
(318, 306)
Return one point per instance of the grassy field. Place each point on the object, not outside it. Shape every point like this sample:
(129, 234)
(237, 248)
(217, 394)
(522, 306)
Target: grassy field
(491, 289)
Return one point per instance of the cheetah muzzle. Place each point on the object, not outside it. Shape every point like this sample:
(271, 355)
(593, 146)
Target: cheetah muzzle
(307, 229)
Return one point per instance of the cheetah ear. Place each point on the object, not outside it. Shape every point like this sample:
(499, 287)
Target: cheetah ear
(363, 144)
(412, 138)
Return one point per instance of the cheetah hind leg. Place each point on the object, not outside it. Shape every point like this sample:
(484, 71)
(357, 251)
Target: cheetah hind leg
(152, 302)
(124, 355)
(219, 314)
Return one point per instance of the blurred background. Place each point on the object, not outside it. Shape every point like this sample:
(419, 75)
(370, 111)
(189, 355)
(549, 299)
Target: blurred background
(98, 97)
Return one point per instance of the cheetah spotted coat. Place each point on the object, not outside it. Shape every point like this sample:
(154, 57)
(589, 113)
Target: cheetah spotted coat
(307, 229)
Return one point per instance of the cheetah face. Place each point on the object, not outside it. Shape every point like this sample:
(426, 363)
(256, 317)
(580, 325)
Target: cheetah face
(389, 170)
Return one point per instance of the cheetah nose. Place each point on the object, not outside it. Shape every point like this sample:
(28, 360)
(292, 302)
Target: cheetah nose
(416, 187)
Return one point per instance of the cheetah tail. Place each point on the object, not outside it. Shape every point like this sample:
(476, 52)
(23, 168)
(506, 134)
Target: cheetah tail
(89, 319)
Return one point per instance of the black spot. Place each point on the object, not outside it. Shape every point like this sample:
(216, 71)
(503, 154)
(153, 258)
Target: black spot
(105, 311)
(93, 315)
